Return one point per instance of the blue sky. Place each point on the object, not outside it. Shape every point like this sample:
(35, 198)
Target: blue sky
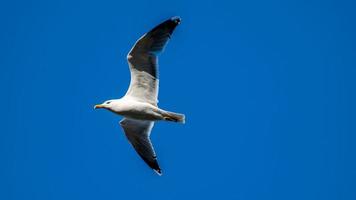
(268, 89)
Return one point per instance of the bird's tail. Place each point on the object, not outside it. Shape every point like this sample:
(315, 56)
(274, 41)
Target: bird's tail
(174, 117)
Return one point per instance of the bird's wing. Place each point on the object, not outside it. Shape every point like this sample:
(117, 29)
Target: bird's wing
(138, 133)
(143, 61)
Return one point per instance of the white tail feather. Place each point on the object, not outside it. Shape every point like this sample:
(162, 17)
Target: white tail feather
(175, 117)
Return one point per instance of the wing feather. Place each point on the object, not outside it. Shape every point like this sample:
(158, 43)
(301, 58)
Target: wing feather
(143, 61)
(138, 133)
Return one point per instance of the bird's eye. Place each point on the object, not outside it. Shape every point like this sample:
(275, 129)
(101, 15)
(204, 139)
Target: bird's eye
(108, 102)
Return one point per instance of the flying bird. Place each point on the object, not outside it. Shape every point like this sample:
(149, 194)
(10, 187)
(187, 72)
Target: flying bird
(139, 105)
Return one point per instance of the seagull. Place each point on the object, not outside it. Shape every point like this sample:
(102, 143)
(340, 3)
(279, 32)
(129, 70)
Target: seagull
(139, 105)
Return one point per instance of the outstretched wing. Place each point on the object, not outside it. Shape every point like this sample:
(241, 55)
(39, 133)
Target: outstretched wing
(143, 61)
(138, 133)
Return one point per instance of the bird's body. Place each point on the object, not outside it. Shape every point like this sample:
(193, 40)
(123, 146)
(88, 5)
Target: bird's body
(139, 105)
(133, 109)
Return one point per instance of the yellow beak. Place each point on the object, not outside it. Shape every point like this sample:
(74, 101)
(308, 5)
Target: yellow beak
(98, 106)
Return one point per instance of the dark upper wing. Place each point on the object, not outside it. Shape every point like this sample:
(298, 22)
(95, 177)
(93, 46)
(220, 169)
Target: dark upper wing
(143, 61)
(138, 133)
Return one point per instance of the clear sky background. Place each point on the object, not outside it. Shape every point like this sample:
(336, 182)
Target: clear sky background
(268, 89)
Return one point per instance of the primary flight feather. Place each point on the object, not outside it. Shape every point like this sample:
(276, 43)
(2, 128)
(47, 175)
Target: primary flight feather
(139, 105)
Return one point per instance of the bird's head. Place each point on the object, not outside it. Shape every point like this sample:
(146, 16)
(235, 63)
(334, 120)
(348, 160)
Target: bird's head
(107, 105)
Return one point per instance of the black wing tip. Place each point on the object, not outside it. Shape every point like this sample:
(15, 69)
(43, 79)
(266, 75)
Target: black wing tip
(158, 171)
(176, 19)
(155, 166)
(169, 25)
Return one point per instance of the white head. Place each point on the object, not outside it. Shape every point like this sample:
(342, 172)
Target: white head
(109, 104)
